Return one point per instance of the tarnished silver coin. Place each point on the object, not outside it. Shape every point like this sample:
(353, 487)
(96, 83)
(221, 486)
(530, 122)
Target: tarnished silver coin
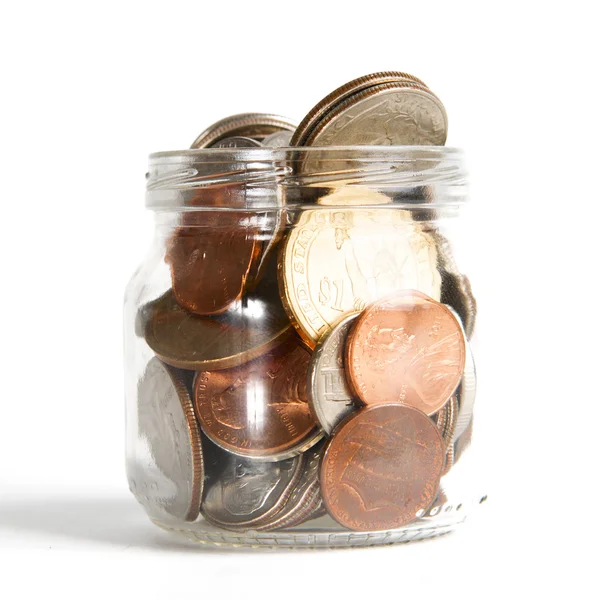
(305, 502)
(449, 431)
(279, 139)
(456, 287)
(242, 493)
(467, 390)
(253, 125)
(395, 113)
(330, 398)
(167, 426)
(325, 105)
(237, 141)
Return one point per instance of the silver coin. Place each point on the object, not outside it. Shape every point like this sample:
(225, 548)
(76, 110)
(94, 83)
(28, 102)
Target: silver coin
(279, 139)
(448, 434)
(252, 125)
(456, 288)
(167, 426)
(305, 502)
(467, 391)
(325, 105)
(242, 493)
(329, 395)
(397, 113)
(237, 141)
(467, 388)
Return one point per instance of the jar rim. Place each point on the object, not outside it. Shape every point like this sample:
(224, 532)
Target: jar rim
(265, 178)
(357, 151)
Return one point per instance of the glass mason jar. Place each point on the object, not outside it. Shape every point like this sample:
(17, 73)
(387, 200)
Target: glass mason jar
(298, 347)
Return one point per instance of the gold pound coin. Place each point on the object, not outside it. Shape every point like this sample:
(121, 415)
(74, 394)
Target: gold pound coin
(335, 261)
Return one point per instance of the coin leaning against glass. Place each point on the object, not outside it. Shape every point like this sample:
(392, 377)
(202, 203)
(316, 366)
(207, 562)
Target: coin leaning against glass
(252, 125)
(336, 261)
(324, 106)
(167, 425)
(330, 397)
(249, 328)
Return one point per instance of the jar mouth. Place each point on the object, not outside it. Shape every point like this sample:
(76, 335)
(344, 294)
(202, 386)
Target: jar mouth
(274, 178)
(254, 152)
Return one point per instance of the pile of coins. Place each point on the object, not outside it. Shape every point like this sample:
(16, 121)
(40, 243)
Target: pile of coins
(323, 371)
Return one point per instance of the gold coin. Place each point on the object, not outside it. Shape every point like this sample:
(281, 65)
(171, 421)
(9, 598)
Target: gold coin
(335, 261)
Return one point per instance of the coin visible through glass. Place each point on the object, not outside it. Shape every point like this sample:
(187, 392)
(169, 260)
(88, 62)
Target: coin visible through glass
(243, 493)
(337, 261)
(407, 348)
(381, 467)
(168, 427)
(331, 399)
(250, 327)
(259, 409)
(210, 264)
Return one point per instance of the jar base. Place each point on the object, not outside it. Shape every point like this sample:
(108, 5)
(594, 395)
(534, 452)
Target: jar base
(307, 537)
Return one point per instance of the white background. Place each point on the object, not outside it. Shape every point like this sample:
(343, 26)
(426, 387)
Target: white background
(90, 89)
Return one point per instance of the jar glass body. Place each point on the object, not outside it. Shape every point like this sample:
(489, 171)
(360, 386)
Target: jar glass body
(243, 347)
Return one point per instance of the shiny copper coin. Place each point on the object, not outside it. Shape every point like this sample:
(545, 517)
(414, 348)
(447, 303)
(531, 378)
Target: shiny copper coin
(381, 467)
(259, 409)
(251, 326)
(210, 264)
(407, 348)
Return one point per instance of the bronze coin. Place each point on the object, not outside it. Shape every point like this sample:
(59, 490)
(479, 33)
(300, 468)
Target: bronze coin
(251, 326)
(210, 264)
(381, 467)
(407, 348)
(259, 409)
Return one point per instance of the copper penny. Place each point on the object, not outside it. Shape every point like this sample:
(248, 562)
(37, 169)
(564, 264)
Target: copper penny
(407, 348)
(210, 264)
(250, 327)
(259, 409)
(381, 467)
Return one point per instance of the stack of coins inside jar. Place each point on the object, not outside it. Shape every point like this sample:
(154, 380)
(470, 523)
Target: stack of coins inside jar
(323, 370)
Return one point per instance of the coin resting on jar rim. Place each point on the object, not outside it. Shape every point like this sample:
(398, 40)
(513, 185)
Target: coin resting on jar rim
(406, 348)
(335, 261)
(252, 125)
(381, 467)
(324, 108)
(259, 409)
